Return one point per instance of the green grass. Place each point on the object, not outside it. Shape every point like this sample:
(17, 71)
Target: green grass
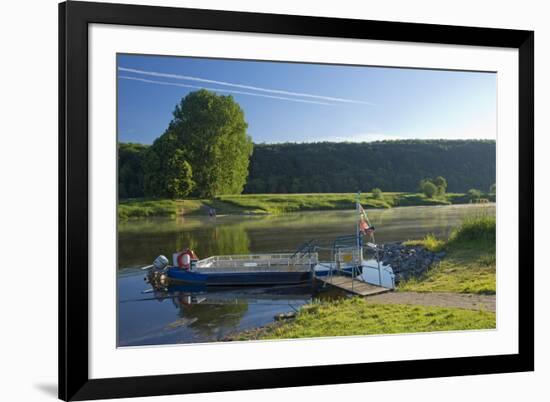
(430, 242)
(284, 203)
(470, 263)
(480, 229)
(277, 203)
(143, 208)
(416, 199)
(355, 316)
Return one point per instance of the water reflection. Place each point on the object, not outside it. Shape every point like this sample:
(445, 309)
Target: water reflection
(188, 314)
(139, 241)
(211, 320)
(142, 240)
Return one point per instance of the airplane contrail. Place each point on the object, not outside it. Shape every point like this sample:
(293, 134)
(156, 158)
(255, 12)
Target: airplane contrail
(249, 87)
(222, 90)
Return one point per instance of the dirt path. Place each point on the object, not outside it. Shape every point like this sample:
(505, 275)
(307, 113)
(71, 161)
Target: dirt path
(460, 300)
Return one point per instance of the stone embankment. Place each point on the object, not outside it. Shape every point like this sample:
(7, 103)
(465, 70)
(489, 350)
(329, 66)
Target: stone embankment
(409, 261)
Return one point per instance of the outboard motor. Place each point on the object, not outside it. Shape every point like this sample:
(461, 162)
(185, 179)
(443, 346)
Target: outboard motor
(157, 275)
(160, 262)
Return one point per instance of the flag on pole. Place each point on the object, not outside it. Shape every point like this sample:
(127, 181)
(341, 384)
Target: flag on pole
(364, 224)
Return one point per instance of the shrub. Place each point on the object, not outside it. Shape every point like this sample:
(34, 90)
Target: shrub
(377, 193)
(428, 188)
(441, 185)
(474, 195)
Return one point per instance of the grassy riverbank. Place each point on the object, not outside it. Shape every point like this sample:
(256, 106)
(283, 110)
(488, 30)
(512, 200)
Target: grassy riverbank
(470, 262)
(277, 203)
(145, 208)
(356, 316)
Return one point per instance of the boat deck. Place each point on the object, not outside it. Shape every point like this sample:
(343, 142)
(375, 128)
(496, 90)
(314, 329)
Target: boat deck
(257, 263)
(356, 287)
(253, 268)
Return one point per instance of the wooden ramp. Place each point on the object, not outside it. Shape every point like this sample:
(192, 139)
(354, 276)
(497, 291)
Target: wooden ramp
(355, 287)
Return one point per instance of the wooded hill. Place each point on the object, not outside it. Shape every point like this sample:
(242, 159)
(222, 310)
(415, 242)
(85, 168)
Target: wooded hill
(388, 165)
(328, 167)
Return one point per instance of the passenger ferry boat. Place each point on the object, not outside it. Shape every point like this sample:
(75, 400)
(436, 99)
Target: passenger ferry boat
(278, 269)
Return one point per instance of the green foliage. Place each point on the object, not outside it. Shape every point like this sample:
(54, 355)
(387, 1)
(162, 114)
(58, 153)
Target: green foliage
(205, 148)
(358, 316)
(428, 188)
(130, 170)
(179, 182)
(167, 172)
(377, 194)
(212, 130)
(440, 181)
(493, 189)
(474, 195)
(441, 185)
(432, 188)
(316, 167)
(330, 167)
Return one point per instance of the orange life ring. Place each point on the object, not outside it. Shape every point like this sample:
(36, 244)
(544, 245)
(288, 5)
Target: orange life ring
(183, 262)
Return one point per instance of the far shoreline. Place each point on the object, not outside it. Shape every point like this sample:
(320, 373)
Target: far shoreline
(276, 204)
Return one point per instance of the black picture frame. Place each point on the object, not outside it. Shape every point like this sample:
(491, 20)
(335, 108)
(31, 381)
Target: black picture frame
(74, 18)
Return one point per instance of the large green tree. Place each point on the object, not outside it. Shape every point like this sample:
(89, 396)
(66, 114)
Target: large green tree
(209, 132)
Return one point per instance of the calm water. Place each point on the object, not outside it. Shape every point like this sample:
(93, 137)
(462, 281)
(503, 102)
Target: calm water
(196, 315)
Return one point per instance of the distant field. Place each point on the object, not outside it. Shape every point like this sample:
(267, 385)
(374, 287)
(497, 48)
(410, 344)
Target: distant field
(277, 203)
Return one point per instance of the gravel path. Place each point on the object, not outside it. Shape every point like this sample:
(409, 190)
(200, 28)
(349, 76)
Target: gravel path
(460, 300)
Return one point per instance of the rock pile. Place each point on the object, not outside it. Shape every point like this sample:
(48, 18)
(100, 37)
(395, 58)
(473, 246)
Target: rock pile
(409, 261)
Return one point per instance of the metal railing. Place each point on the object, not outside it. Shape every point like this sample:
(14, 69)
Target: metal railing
(259, 261)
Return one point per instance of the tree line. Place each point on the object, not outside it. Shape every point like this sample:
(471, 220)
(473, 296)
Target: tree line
(346, 167)
(388, 165)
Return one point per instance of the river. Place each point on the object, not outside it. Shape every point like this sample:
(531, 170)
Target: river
(196, 315)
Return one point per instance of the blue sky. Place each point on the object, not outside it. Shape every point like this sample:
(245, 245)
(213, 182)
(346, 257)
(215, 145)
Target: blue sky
(294, 102)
